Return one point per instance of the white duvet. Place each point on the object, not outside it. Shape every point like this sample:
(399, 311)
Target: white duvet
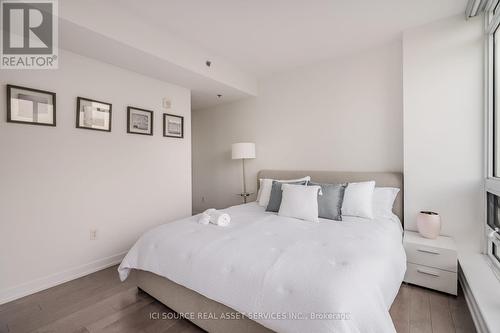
(288, 275)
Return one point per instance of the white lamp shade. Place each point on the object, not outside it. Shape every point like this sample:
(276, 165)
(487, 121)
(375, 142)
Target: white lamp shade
(242, 150)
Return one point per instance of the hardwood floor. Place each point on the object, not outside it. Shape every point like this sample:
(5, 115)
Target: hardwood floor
(419, 310)
(99, 302)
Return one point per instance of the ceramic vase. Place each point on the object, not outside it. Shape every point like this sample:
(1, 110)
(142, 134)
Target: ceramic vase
(429, 224)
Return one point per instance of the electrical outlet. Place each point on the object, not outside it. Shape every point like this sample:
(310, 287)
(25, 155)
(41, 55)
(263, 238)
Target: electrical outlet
(202, 199)
(93, 234)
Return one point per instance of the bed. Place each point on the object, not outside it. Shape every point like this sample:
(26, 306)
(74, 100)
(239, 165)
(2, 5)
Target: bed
(271, 273)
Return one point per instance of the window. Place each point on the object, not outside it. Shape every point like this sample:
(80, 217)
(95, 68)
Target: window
(496, 103)
(494, 252)
(493, 223)
(493, 216)
(492, 181)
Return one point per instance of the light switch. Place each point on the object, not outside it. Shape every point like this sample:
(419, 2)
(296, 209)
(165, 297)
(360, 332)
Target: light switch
(166, 103)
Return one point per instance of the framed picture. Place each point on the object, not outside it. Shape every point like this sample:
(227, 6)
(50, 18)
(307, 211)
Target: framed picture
(173, 126)
(31, 106)
(93, 115)
(139, 121)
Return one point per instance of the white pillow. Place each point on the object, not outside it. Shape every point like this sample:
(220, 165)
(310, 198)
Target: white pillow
(264, 191)
(259, 191)
(358, 200)
(383, 201)
(267, 184)
(300, 202)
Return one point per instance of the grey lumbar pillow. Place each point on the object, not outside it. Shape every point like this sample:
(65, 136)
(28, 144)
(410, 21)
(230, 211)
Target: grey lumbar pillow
(330, 203)
(276, 195)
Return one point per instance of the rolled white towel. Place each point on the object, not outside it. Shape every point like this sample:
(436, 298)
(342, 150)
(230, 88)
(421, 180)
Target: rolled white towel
(219, 218)
(205, 217)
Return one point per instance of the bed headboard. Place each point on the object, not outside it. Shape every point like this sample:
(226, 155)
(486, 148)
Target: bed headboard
(382, 179)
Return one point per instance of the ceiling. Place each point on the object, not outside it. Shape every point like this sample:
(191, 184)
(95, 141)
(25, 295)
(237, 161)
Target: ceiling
(263, 37)
(246, 40)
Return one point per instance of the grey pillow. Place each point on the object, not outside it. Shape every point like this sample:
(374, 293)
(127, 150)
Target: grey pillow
(276, 195)
(330, 203)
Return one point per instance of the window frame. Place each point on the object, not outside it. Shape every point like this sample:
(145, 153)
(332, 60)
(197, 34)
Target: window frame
(495, 252)
(492, 182)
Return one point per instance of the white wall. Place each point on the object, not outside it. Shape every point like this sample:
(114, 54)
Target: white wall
(344, 114)
(443, 125)
(58, 183)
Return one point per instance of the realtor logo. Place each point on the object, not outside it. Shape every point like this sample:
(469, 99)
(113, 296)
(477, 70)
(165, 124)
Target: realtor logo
(29, 34)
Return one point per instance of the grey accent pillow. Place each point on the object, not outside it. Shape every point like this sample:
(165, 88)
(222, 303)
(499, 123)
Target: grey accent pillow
(330, 203)
(276, 195)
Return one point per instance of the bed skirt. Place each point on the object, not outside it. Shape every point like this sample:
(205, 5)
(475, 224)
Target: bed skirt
(206, 312)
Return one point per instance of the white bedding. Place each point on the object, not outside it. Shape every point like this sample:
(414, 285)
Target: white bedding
(268, 266)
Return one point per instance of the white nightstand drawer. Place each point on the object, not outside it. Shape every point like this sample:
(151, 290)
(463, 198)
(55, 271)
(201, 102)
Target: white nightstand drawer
(431, 256)
(432, 278)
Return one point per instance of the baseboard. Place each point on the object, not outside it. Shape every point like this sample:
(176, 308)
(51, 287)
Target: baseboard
(478, 319)
(52, 280)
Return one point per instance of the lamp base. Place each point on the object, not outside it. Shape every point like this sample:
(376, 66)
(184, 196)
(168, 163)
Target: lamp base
(244, 195)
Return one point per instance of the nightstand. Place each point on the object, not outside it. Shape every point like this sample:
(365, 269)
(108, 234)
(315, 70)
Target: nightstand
(431, 263)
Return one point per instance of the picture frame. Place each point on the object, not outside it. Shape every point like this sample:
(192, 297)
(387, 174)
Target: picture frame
(139, 121)
(30, 106)
(173, 126)
(93, 115)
